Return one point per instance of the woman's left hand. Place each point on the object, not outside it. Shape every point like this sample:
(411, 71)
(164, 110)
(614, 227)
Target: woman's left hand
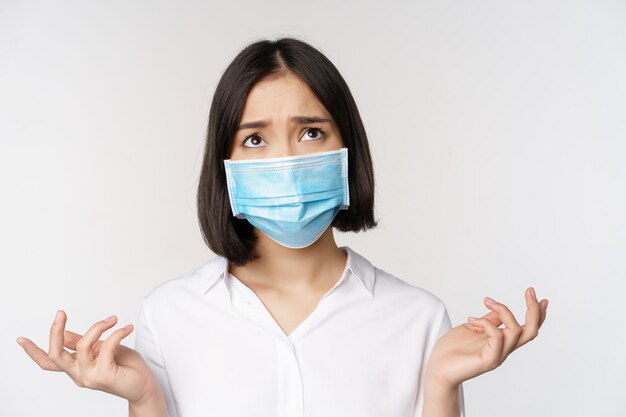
(479, 346)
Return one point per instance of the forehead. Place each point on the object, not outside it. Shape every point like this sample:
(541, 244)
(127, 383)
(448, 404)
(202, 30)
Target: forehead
(285, 95)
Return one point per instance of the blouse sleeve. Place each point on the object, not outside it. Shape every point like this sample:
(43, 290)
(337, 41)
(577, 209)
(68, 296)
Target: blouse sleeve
(147, 344)
(442, 325)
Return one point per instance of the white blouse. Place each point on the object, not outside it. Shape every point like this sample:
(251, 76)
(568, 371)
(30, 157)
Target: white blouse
(217, 351)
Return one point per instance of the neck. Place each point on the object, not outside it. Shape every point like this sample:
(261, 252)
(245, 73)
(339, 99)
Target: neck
(292, 269)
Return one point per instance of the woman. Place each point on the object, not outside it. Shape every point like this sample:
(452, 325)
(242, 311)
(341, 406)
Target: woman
(283, 322)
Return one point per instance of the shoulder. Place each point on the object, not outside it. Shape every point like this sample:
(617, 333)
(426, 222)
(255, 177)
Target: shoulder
(187, 284)
(408, 297)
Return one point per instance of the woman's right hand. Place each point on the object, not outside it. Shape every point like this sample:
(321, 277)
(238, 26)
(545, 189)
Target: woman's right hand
(102, 365)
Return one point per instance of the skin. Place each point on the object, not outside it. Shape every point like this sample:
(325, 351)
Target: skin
(103, 365)
(476, 347)
(290, 282)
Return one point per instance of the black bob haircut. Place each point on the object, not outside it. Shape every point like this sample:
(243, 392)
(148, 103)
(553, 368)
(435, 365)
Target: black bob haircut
(234, 238)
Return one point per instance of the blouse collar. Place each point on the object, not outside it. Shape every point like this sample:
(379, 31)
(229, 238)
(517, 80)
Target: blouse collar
(217, 268)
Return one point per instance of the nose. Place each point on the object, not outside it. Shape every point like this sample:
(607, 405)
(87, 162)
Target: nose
(286, 150)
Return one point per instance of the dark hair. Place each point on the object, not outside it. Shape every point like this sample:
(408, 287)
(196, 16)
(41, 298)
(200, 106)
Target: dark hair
(232, 237)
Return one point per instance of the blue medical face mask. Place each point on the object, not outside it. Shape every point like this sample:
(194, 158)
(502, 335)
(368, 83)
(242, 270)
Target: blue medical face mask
(292, 199)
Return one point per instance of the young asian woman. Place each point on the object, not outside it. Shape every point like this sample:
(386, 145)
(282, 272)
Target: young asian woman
(282, 321)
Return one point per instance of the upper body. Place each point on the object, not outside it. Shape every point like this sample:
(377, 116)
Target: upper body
(283, 322)
(216, 350)
(298, 326)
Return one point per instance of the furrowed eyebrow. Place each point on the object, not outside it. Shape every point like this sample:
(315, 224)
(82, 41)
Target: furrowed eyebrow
(298, 119)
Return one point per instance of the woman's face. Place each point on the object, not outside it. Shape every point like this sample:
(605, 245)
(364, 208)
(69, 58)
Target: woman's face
(282, 117)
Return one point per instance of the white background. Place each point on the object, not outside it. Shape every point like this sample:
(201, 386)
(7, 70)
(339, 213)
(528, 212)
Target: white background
(498, 134)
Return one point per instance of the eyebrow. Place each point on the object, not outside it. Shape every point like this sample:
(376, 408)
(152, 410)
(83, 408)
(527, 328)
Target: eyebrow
(299, 119)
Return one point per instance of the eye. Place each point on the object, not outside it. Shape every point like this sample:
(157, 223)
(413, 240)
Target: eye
(314, 129)
(255, 139)
(254, 135)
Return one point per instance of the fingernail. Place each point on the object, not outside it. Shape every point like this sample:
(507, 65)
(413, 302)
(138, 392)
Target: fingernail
(472, 318)
(20, 341)
(532, 291)
(110, 318)
(489, 300)
(547, 304)
(57, 318)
